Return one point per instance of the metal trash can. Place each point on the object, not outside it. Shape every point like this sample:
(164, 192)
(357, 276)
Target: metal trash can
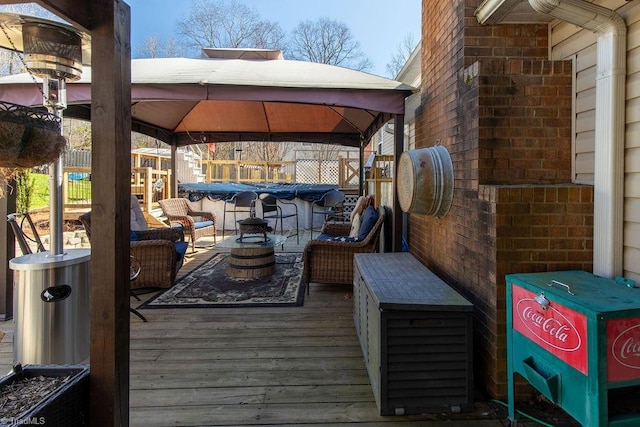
(51, 297)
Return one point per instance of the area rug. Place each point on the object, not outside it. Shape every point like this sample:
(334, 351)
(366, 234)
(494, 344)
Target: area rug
(209, 286)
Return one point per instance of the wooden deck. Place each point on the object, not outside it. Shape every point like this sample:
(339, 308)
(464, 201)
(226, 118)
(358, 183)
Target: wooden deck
(254, 366)
(257, 366)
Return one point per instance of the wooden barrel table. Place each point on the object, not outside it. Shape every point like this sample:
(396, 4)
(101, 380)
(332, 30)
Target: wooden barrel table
(251, 263)
(251, 257)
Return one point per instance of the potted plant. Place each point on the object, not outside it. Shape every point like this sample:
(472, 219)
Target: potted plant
(28, 137)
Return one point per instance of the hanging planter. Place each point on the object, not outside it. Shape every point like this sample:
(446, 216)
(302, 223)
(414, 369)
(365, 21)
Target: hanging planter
(28, 138)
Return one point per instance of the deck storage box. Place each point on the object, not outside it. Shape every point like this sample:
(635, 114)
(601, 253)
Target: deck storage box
(416, 336)
(575, 337)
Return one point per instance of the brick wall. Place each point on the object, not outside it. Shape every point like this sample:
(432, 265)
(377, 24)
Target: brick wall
(490, 96)
(524, 112)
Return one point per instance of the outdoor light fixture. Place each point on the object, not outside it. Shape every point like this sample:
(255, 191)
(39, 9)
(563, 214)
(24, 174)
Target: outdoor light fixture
(54, 52)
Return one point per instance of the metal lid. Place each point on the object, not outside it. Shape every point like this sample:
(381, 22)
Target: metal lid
(45, 260)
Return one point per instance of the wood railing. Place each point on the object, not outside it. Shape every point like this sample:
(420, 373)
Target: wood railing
(146, 183)
(151, 184)
(379, 178)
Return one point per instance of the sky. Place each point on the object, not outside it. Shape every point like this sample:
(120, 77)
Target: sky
(379, 26)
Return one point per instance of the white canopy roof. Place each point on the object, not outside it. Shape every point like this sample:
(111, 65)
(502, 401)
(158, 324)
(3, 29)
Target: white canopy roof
(180, 100)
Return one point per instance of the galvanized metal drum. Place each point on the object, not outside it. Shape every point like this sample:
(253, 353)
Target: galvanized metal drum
(51, 297)
(425, 181)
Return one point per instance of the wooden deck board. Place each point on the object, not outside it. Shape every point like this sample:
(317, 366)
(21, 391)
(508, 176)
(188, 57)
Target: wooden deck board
(264, 414)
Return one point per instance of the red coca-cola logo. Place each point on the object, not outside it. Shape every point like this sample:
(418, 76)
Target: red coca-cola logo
(550, 325)
(626, 347)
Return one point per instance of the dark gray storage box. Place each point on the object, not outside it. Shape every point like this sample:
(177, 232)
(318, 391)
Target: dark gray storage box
(416, 334)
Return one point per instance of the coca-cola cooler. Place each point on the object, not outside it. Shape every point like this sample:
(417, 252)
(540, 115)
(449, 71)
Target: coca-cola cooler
(575, 337)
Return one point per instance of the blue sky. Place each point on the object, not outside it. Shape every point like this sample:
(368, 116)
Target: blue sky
(378, 25)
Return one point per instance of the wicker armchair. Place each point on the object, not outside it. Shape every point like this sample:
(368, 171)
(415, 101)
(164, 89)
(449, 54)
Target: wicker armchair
(156, 251)
(196, 224)
(328, 261)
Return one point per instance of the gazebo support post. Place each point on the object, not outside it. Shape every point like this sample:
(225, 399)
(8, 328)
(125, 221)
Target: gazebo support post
(174, 172)
(361, 170)
(398, 138)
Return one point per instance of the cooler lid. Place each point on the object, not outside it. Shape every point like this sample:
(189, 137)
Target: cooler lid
(580, 290)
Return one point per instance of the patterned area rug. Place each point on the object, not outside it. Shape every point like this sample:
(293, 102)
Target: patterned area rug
(209, 286)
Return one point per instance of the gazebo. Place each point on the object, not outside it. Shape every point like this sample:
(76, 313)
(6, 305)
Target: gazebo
(243, 95)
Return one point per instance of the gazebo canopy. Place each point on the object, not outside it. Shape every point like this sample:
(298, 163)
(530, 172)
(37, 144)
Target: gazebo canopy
(227, 97)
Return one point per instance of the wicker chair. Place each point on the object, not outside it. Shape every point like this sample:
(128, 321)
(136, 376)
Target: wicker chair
(328, 261)
(196, 224)
(155, 250)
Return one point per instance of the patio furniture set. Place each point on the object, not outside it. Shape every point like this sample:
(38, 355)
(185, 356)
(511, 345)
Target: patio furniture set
(328, 258)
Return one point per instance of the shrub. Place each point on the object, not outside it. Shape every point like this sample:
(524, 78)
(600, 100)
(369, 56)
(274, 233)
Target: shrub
(25, 186)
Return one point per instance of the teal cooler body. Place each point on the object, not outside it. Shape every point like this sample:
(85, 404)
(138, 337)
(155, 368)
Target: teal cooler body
(575, 337)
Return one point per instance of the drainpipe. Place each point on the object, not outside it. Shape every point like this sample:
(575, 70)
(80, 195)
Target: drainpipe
(609, 127)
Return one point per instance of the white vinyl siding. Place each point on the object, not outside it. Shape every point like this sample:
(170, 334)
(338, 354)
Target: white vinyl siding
(632, 146)
(570, 42)
(582, 50)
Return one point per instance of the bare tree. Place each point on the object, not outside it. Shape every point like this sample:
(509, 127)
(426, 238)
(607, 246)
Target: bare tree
(327, 42)
(330, 42)
(217, 23)
(266, 151)
(400, 57)
(154, 47)
(78, 133)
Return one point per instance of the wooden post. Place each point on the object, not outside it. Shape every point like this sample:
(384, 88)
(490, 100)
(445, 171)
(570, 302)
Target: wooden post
(111, 172)
(8, 243)
(148, 189)
(168, 190)
(174, 172)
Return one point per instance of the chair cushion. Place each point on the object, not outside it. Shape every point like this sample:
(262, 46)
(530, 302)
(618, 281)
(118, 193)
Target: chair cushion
(369, 218)
(138, 221)
(355, 225)
(133, 237)
(181, 249)
(324, 237)
(361, 204)
(330, 238)
(344, 239)
(202, 224)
